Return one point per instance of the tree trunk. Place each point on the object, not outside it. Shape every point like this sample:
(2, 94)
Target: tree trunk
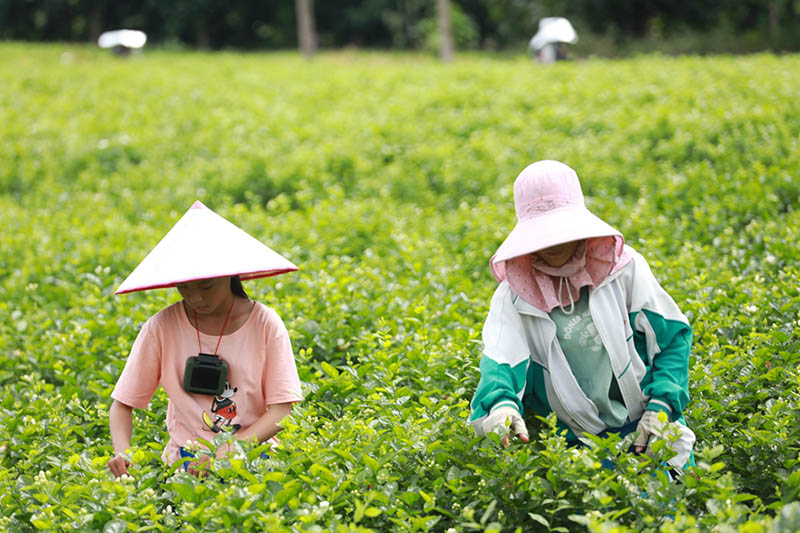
(446, 47)
(305, 27)
(95, 21)
(201, 32)
(774, 21)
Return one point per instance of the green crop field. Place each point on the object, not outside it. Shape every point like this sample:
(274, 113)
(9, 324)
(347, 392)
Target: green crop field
(387, 179)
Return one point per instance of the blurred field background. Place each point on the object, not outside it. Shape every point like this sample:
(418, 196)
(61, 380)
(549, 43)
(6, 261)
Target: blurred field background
(387, 178)
(606, 28)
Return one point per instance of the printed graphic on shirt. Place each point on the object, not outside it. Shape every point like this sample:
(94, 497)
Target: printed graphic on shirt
(224, 409)
(588, 360)
(587, 336)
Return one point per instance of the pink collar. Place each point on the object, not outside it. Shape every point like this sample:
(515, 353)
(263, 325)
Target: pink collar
(543, 286)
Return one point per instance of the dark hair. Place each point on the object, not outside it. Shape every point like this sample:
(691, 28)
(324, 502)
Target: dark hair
(236, 287)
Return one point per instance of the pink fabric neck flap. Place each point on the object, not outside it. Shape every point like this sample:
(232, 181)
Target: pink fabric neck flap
(538, 283)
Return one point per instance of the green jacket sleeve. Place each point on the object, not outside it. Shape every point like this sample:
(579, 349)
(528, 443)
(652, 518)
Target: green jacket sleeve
(667, 379)
(505, 360)
(500, 384)
(663, 339)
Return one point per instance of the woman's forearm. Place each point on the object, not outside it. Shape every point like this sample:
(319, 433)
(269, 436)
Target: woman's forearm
(120, 423)
(267, 426)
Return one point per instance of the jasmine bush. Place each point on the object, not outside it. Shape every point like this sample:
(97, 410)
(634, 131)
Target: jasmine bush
(387, 178)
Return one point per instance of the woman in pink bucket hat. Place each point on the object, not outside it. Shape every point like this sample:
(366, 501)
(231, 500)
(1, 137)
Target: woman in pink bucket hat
(579, 326)
(224, 361)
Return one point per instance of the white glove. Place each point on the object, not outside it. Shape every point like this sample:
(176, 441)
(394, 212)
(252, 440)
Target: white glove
(649, 426)
(497, 420)
(679, 437)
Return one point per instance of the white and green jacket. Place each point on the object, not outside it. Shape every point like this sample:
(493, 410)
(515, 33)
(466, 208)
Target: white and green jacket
(646, 336)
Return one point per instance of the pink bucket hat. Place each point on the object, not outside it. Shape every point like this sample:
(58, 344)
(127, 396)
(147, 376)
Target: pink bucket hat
(551, 211)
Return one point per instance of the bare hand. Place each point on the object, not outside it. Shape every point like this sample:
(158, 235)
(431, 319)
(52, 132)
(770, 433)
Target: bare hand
(118, 465)
(226, 449)
(199, 467)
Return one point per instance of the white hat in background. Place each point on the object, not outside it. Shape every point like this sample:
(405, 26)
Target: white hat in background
(122, 39)
(553, 30)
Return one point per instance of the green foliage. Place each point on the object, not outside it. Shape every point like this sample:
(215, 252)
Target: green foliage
(606, 28)
(388, 180)
(464, 30)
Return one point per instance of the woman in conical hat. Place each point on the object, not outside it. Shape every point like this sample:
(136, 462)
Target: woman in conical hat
(225, 361)
(579, 326)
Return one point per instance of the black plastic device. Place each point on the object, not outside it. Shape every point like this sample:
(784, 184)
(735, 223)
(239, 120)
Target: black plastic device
(205, 374)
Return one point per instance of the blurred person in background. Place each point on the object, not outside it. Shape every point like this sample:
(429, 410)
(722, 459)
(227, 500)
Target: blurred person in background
(548, 43)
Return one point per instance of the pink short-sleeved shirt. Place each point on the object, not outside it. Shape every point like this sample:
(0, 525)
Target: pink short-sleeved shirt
(261, 372)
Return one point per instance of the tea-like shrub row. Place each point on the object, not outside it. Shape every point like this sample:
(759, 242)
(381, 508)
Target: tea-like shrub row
(387, 178)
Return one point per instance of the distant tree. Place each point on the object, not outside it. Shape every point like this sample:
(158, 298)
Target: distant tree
(504, 23)
(445, 27)
(400, 24)
(95, 16)
(402, 18)
(305, 27)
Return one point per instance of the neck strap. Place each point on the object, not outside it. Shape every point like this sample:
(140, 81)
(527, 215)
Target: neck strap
(197, 327)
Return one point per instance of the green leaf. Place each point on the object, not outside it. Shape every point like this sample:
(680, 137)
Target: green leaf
(371, 463)
(115, 526)
(539, 518)
(329, 369)
(372, 512)
(488, 513)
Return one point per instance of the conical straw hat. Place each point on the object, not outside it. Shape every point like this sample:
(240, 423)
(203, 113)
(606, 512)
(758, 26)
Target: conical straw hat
(203, 245)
